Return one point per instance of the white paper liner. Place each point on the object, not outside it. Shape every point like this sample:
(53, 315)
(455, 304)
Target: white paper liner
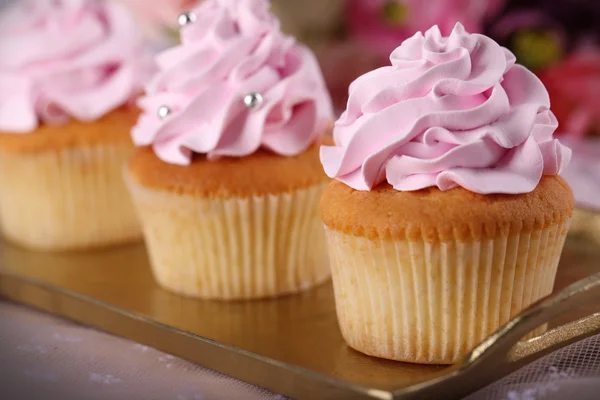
(433, 302)
(68, 199)
(238, 248)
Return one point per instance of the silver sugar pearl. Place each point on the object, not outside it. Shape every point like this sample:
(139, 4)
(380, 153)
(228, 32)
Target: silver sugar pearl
(186, 18)
(253, 100)
(163, 112)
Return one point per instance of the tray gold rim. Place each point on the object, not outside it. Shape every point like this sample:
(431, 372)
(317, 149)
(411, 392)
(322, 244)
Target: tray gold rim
(502, 348)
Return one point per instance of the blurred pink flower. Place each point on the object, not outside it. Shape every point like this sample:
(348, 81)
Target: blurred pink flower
(157, 16)
(574, 85)
(383, 24)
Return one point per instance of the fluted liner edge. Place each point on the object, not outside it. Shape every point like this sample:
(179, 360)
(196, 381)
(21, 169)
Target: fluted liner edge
(73, 198)
(235, 248)
(432, 302)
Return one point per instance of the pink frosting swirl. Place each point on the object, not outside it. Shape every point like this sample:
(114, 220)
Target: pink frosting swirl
(233, 48)
(449, 111)
(67, 58)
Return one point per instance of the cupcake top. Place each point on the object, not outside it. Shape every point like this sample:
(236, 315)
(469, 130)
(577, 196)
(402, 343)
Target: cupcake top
(67, 58)
(448, 111)
(235, 84)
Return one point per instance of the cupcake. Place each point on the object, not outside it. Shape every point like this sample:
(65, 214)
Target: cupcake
(447, 216)
(227, 178)
(68, 70)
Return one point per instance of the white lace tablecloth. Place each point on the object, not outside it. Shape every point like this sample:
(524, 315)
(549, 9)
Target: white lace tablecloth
(44, 357)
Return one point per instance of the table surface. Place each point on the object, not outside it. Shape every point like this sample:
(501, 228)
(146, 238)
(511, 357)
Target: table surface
(47, 357)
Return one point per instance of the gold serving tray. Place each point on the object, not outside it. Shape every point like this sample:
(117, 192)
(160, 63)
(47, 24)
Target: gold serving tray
(290, 345)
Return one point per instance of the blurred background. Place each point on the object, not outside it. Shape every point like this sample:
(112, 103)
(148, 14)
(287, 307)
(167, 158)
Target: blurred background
(557, 39)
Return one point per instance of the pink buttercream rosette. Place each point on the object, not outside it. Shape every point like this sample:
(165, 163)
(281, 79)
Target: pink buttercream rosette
(449, 111)
(67, 58)
(232, 49)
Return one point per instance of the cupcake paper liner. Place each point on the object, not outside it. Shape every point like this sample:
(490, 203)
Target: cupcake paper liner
(431, 302)
(73, 198)
(236, 248)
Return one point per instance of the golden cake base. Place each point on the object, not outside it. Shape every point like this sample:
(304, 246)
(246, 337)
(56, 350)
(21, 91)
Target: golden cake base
(291, 345)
